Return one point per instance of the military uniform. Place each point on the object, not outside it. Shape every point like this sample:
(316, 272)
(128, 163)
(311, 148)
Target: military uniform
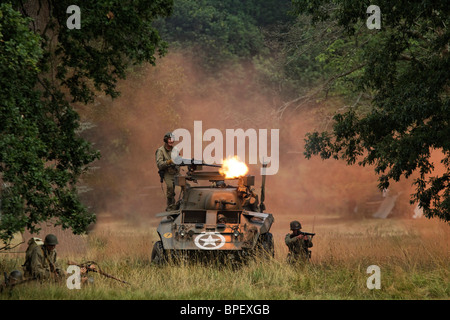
(41, 262)
(297, 244)
(163, 156)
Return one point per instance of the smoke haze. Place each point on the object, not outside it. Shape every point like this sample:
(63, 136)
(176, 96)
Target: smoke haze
(174, 94)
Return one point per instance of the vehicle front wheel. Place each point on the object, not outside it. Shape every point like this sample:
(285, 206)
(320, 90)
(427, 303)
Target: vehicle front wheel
(266, 245)
(159, 256)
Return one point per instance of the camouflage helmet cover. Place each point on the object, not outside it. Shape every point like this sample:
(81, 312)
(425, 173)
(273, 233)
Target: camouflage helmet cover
(295, 225)
(51, 240)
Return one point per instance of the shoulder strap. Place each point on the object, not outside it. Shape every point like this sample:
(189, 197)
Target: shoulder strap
(52, 266)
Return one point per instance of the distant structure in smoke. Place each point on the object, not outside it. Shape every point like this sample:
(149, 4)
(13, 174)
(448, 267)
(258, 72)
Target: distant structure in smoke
(386, 205)
(418, 212)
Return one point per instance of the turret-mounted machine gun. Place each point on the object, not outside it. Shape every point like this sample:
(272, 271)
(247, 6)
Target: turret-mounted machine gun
(191, 164)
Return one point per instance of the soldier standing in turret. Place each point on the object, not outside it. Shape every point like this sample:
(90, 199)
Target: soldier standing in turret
(166, 168)
(298, 244)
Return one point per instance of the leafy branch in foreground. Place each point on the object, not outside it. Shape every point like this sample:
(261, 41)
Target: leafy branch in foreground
(407, 64)
(45, 68)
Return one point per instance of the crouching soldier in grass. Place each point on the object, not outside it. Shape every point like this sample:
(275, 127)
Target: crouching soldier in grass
(40, 261)
(14, 278)
(298, 244)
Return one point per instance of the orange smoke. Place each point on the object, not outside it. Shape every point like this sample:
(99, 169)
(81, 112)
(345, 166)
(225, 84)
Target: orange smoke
(233, 168)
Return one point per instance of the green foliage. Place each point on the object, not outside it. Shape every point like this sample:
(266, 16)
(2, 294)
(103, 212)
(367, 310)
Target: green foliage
(113, 35)
(220, 32)
(294, 65)
(41, 154)
(311, 62)
(406, 65)
(39, 158)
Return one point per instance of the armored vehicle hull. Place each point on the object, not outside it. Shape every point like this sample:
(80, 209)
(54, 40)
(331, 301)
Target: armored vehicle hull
(215, 220)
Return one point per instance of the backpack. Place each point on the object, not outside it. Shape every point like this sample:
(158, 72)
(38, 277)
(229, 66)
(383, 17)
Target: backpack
(32, 243)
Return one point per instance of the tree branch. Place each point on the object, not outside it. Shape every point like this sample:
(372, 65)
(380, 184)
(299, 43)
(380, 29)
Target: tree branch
(307, 97)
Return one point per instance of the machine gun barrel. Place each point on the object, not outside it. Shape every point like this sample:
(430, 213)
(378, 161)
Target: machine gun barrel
(193, 162)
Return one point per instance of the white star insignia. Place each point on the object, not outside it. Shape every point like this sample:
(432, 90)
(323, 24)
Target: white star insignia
(210, 241)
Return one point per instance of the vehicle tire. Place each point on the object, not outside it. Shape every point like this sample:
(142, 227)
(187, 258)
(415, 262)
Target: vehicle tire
(266, 245)
(158, 256)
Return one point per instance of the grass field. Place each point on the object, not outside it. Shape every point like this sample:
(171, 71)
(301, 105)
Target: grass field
(413, 256)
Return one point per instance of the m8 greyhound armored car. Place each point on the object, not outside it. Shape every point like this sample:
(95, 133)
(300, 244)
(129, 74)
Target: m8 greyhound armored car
(214, 221)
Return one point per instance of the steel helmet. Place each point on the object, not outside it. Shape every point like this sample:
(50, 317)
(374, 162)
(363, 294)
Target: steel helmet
(295, 225)
(51, 240)
(15, 275)
(167, 136)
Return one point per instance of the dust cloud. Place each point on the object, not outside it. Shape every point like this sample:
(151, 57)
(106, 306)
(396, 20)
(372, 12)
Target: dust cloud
(124, 183)
(123, 187)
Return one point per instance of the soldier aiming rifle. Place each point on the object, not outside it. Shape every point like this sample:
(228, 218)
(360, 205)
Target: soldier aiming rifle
(298, 243)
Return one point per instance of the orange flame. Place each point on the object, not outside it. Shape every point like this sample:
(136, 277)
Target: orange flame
(233, 168)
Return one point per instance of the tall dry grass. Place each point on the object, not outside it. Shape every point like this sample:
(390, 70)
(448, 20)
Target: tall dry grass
(413, 257)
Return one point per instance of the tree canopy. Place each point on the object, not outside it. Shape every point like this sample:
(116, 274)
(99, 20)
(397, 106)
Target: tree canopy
(221, 32)
(46, 68)
(404, 66)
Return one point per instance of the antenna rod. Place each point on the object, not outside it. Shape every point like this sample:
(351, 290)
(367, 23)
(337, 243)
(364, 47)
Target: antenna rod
(262, 207)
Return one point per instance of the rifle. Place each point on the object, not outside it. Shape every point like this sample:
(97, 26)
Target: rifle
(307, 234)
(304, 234)
(88, 265)
(161, 175)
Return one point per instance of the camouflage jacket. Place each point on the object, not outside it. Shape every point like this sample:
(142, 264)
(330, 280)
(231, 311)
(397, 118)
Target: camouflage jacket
(297, 246)
(43, 264)
(162, 155)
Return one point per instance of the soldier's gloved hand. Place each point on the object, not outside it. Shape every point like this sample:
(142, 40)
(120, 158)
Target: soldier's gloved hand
(169, 162)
